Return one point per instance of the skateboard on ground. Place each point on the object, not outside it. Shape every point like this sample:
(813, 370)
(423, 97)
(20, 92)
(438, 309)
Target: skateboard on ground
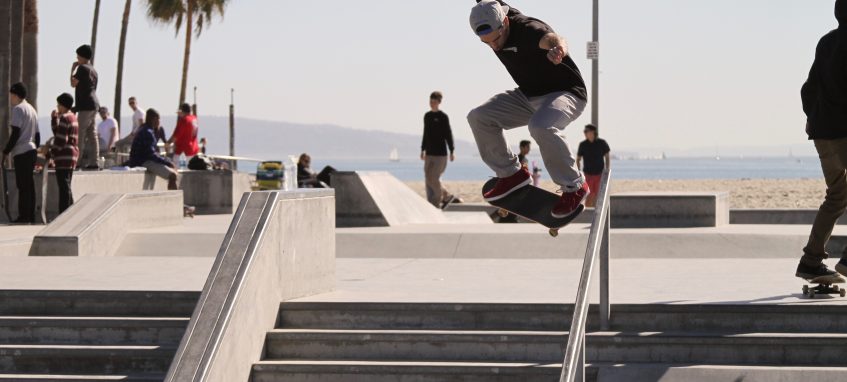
(45, 171)
(824, 286)
(532, 203)
(5, 180)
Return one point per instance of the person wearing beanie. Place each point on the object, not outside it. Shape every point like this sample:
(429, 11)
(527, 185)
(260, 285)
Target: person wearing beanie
(184, 137)
(145, 152)
(824, 97)
(64, 150)
(84, 80)
(21, 147)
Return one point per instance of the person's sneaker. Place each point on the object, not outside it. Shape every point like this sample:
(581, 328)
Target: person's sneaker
(506, 186)
(841, 267)
(813, 272)
(570, 201)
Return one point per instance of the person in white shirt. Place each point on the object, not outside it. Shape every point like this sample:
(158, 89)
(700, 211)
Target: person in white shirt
(138, 112)
(107, 131)
(137, 115)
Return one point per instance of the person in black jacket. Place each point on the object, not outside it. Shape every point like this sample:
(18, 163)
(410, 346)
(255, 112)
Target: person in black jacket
(437, 138)
(825, 103)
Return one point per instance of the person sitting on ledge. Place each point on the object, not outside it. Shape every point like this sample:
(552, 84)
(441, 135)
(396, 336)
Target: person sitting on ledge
(145, 153)
(306, 178)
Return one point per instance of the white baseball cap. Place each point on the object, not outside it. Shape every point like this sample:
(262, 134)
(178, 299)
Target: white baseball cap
(487, 16)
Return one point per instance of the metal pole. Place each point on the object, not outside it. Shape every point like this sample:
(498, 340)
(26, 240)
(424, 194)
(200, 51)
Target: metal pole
(595, 70)
(194, 105)
(604, 273)
(232, 127)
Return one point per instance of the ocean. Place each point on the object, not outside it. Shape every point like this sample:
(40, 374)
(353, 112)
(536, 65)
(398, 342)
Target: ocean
(409, 169)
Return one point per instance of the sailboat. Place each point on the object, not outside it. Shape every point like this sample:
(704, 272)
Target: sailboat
(394, 156)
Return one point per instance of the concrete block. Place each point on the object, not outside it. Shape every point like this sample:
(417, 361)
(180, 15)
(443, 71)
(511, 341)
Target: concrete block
(280, 246)
(669, 209)
(96, 225)
(378, 199)
(211, 192)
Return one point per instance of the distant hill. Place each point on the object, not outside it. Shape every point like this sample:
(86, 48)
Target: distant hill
(277, 140)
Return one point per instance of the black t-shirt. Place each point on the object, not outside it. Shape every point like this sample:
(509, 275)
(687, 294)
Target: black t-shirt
(592, 154)
(528, 64)
(437, 135)
(86, 89)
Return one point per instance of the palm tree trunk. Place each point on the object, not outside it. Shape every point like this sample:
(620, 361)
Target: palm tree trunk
(30, 54)
(5, 61)
(17, 53)
(189, 29)
(121, 50)
(94, 30)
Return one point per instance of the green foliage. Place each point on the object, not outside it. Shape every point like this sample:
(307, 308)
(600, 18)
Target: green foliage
(175, 11)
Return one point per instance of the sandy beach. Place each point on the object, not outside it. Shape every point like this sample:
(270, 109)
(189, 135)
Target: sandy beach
(752, 193)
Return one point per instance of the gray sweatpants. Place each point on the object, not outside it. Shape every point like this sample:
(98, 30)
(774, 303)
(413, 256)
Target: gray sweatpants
(89, 149)
(547, 116)
(434, 167)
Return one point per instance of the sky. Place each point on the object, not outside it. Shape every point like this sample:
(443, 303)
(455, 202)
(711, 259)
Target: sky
(673, 74)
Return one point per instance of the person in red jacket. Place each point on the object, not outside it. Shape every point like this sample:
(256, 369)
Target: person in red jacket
(184, 138)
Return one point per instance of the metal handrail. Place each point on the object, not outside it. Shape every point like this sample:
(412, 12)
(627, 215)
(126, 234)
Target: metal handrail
(573, 366)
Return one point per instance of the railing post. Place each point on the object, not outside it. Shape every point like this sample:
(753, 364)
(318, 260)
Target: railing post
(605, 311)
(580, 363)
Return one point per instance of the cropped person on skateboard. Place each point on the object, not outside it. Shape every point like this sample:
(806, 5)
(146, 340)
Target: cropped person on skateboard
(824, 98)
(550, 95)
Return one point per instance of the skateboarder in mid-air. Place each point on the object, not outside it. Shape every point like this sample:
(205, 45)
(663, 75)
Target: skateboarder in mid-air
(825, 103)
(550, 95)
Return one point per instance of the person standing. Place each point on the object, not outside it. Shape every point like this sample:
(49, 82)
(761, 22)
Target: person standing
(107, 131)
(184, 137)
(593, 154)
(550, 95)
(437, 139)
(64, 150)
(123, 145)
(22, 144)
(84, 79)
(824, 98)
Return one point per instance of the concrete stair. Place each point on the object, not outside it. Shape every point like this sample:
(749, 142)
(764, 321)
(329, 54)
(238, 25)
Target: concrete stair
(90, 335)
(523, 342)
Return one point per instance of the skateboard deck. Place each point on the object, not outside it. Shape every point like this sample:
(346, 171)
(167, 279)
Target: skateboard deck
(824, 286)
(532, 203)
(5, 181)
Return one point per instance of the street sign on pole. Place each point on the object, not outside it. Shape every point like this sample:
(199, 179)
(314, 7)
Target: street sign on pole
(593, 50)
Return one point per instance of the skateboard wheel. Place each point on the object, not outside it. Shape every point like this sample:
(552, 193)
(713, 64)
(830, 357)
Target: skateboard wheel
(554, 232)
(835, 288)
(811, 294)
(502, 213)
(842, 292)
(805, 290)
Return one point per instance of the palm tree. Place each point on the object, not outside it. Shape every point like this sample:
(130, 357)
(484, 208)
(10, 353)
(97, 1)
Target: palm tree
(121, 50)
(5, 62)
(30, 51)
(94, 30)
(17, 40)
(177, 11)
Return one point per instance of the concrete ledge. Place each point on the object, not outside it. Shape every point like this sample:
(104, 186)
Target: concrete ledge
(211, 192)
(669, 209)
(280, 246)
(97, 223)
(774, 216)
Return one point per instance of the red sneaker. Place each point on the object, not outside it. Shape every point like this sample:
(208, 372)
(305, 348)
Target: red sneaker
(570, 202)
(505, 186)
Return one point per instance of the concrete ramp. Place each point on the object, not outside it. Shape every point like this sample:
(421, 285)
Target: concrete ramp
(96, 224)
(378, 199)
